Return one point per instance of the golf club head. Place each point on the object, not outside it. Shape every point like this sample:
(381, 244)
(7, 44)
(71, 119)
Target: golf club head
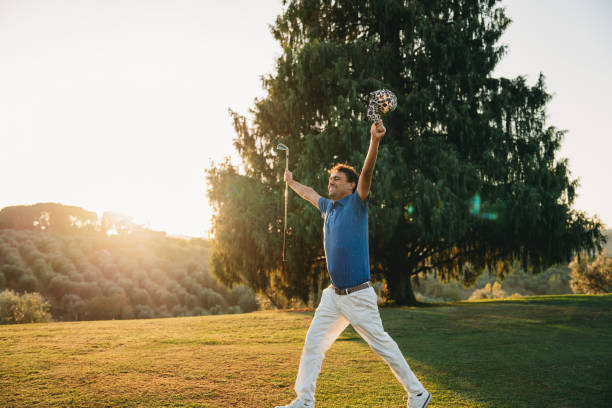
(282, 147)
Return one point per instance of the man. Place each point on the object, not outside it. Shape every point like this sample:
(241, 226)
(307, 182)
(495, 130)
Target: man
(350, 298)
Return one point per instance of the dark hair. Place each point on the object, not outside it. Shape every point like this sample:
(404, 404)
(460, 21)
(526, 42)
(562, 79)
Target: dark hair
(351, 173)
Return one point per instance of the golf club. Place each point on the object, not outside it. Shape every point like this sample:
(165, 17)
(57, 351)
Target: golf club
(286, 149)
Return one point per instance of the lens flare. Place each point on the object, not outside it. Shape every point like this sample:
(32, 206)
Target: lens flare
(475, 205)
(409, 212)
(489, 216)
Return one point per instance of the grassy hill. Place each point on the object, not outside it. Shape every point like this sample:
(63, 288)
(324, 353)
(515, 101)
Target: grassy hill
(552, 351)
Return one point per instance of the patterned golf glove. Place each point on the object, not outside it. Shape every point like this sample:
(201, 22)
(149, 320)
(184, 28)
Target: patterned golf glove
(381, 102)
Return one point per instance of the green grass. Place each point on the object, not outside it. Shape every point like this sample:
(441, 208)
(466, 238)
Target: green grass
(552, 351)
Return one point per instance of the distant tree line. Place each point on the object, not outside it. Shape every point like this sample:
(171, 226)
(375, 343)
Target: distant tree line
(60, 218)
(85, 274)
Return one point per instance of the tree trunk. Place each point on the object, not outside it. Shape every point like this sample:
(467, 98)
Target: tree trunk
(399, 286)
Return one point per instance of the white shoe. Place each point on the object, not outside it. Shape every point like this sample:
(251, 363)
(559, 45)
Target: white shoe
(419, 400)
(297, 403)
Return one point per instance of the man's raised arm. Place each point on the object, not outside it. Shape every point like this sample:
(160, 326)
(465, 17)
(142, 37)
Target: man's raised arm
(377, 131)
(303, 191)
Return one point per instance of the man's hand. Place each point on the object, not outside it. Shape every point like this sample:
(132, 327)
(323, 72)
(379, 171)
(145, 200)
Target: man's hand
(288, 176)
(377, 131)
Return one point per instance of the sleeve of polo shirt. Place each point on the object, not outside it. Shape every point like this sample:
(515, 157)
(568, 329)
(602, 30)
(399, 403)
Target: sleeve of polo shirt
(362, 206)
(324, 204)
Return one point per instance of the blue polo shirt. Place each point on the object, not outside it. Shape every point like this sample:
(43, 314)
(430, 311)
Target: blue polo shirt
(345, 238)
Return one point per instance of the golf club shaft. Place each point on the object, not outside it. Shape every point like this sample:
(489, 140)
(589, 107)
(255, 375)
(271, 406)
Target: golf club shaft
(285, 222)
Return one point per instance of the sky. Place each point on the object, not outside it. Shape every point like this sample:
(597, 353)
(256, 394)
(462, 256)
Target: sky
(569, 42)
(121, 105)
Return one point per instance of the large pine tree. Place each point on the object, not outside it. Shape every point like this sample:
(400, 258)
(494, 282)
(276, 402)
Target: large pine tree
(466, 177)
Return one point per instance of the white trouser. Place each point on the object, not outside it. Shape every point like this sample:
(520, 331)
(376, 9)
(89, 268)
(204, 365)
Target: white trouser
(334, 313)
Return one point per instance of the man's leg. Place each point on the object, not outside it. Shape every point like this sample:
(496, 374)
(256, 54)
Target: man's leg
(325, 328)
(361, 309)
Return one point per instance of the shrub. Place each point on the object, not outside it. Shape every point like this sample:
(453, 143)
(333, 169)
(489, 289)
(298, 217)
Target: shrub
(179, 310)
(162, 311)
(59, 285)
(243, 297)
(494, 291)
(25, 308)
(140, 297)
(216, 309)
(101, 308)
(234, 310)
(87, 290)
(209, 299)
(191, 301)
(62, 265)
(110, 288)
(592, 278)
(27, 283)
(143, 312)
(43, 271)
(431, 290)
(71, 306)
(127, 312)
(199, 311)
(449, 292)
(428, 299)
(247, 302)
(168, 299)
(13, 272)
(127, 284)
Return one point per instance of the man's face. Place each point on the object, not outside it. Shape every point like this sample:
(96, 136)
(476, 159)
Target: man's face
(338, 186)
